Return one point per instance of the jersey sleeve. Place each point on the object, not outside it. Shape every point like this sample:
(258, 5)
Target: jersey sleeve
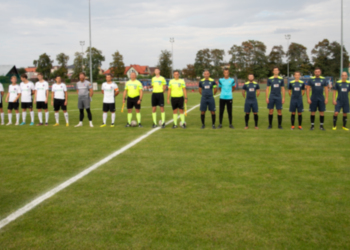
(1, 88)
(257, 86)
(47, 86)
(325, 83)
(183, 84)
(282, 84)
(90, 85)
(35, 87)
(233, 83)
(335, 86)
(163, 81)
(116, 87)
(170, 83)
(140, 85)
(245, 87)
(219, 85)
(290, 86)
(268, 83)
(32, 87)
(19, 91)
(200, 85)
(65, 88)
(303, 86)
(214, 85)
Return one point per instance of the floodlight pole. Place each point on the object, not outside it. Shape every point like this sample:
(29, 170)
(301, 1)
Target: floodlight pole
(91, 80)
(172, 40)
(342, 44)
(82, 43)
(287, 38)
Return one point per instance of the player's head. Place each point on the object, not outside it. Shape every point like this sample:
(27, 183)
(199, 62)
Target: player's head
(40, 76)
(176, 74)
(82, 76)
(14, 79)
(317, 72)
(108, 77)
(297, 75)
(276, 71)
(157, 72)
(206, 74)
(58, 79)
(133, 76)
(24, 77)
(226, 72)
(251, 77)
(344, 76)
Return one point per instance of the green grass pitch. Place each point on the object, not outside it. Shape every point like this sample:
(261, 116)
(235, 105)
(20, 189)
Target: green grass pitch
(177, 189)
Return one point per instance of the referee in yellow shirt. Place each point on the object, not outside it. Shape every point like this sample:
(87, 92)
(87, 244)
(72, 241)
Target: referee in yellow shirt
(177, 91)
(133, 89)
(159, 86)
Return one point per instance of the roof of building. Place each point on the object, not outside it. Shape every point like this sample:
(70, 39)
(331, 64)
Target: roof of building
(30, 69)
(140, 69)
(5, 69)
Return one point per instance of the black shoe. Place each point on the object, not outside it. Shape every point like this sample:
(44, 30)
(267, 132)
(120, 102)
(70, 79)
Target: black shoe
(163, 125)
(203, 126)
(154, 126)
(269, 127)
(140, 126)
(213, 126)
(312, 128)
(183, 126)
(280, 127)
(174, 126)
(127, 125)
(220, 126)
(231, 126)
(322, 128)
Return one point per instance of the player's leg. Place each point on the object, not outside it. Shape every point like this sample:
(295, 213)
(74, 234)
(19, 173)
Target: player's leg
(247, 108)
(270, 106)
(154, 110)
(39, 106)
(335, 116)
(175, 105)
(246, 119)
(9, 114)
(2, 114)
(255, 109)
(31, 112)
(322, 109)
(56, 108)
(212, 109)
(112, 110)
(88, 111)
(81, 112)
(203, 109)
(65, 113)
(24, 113)
(181, 110)
(105, 109)
(313, 109)
(129, 107)
(46, 115)
(222, 105)
(345, 115)
(138, 113)
(279, 112)
(229, 112)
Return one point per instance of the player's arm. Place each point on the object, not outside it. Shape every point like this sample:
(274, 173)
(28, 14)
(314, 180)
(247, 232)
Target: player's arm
(326, 94)
(47, 96)
(308, 93)
(124, 94)
(215, 89)
(141, 95)
(66, 98)
(116, 92)
(234, 88)
(169, 93)
(35, 94)
(303, 90)
(17, 98)
(289, 92)
(257, 92)
(185, 94)
(334, 94)
(164, 88)
(267, 92)
(91, 92)
(52, 93)
(283, 94)
(243, 93)
(200, 88)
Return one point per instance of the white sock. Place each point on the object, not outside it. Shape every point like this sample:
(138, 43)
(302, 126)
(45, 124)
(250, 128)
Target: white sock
(46, 117)
(17, 117)
(104, 118)
(40, 116)
(66, 117)
(2, 118)
(32, 116)
(57, 117)
(10, 118)
(113, 118)
(24, 115)
(91, 123)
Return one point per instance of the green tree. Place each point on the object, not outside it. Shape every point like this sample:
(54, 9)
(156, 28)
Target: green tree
(203, 61)
(44, 65)
(97, 59)
(217, 57)
(237, 62)
(189, 72)
(21, 71)
(298, 59)
(275, 57)
(62, 61)
(78, 65)
(165, 63)
(117, 66)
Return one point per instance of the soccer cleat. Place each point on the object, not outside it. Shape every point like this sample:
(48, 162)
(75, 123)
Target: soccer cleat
(127, 125)
(232, 127)
(8, 124)
(91, 125)
(40, 124)
(345, 128)
(334, 128)
(163, 125)
(67, 124)
(140, 126)
(246, 127)
(322, 128)
(292, 128)
(31, 124)
(154, 126)
(183, 126)
(46, 124)
(203, 126)
(280, 127)
(79, 125)
(269, 127)
(174, 126)
(312, 128)
(220, 126)
(56, 125)
(23, 123)
(300, 128)
(103, 125)
(256, 127)
(112, 125)
(213, 126)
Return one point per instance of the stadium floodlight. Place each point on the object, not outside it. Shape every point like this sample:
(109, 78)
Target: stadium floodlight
(287, 38)
(91, 80)
(172, 40)
(342, 45)
(82, 43)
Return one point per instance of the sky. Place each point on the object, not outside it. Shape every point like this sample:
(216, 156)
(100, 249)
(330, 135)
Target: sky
(140, 30)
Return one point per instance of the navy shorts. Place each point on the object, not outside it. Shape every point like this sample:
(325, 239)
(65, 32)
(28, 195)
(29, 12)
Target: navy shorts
(339, 106)
(275, 102)
(207, 103)
(251, 106)
(317, 105)
(296, 105)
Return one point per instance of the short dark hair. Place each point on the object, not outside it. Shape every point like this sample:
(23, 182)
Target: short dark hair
(206, 70)
(317, 68)
(176, 71)
(24, 76)
(14, 76)
(251, 74)
(226, 69)
(40, 74)
(297, 72)
(108, 75)
(58, 76)
(82, 73)
(276, 68)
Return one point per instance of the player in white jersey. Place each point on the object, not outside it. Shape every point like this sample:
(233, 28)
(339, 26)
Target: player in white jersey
(13, 100)
(41, 98)
(1, 110)
(109, 90)
(59, 100)
(27, 90)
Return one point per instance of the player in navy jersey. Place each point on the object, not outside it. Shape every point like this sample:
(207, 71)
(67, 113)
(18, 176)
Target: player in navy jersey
(341, 91)
(207, 88)
(250, 93)
(296, 90)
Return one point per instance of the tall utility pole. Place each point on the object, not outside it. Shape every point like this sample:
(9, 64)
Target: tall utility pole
(91, 80)
(342, 45)
(287, 38)
(82, 43)
(172, 40)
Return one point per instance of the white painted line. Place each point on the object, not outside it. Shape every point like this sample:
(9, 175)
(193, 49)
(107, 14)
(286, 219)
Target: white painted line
(82, 174)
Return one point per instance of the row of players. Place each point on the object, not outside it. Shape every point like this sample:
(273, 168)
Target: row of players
(177, 96)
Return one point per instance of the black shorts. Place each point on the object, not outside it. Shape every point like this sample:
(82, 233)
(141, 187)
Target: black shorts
(317, 105)
(108, 107)
(41, 105)
(340, 105)
(296, 104)
(207, 103)
(59, 104)
(132, 102)
(275, 102)
(158, 99)
(177, 103)
(251, 106)
(1, 104)
(13, 105)
(26, 105)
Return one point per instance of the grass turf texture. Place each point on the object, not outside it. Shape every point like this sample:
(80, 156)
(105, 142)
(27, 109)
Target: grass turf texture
(177, 189)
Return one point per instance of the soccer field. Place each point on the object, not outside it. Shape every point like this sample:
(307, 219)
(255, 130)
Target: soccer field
(177, 189)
